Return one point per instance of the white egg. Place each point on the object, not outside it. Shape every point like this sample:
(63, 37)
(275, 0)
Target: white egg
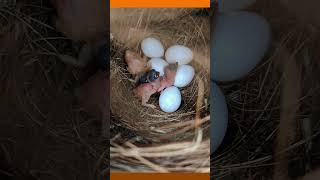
(158, 64)
(180, 54)
(184, 75)
(218, 116)
(240, 41)
(170, 99)
(152, 47)
(232, 5)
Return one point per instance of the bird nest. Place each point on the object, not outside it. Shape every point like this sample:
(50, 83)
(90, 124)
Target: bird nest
(145, 139)
(260, 131)
(152, 123)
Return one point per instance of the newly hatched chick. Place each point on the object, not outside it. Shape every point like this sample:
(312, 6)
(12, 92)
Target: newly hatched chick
(136, 64)
(169, 76)
(148, 77)
(146, 90)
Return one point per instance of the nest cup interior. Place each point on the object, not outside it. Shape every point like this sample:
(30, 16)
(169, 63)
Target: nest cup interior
(153, 124)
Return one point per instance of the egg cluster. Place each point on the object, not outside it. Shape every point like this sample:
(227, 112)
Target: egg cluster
(240, 41)
(170, 98)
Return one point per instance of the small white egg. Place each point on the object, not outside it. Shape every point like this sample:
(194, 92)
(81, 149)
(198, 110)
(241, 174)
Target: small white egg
(184, 75)
(218, 116)
(240, 41)
(170, 99)
(152, 47)
(158, 64)
(180, 54)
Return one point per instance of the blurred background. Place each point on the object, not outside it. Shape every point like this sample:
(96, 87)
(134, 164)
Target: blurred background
(44, 132)
(274, 110)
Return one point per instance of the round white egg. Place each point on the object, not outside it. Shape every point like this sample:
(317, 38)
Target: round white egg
(232, 5)
(170, 99)
(152, 47)
(240, 41)
(218, 116)
(184, 75)
(158, 64)
(180, 54)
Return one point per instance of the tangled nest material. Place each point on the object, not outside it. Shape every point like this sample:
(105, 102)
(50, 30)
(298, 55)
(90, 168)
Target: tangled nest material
(163, 142)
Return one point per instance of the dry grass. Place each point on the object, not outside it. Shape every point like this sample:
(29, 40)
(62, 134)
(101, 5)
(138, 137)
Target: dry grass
(173, 143)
